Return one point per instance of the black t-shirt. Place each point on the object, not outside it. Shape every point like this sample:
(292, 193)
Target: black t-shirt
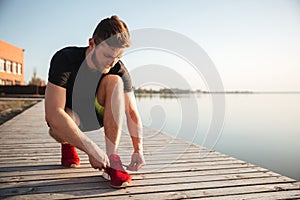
(68, 69)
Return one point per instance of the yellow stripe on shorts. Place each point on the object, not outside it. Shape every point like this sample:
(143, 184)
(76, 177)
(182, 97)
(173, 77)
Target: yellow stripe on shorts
(98, 107)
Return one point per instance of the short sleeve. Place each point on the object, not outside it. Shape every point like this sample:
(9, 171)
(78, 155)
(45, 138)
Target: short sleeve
(127, 82)
(125, 77)
(59, 73)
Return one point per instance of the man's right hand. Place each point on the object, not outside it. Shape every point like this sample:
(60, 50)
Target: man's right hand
(99, 164)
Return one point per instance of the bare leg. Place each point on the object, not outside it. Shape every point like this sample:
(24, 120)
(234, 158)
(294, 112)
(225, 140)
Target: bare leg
(111, 96)
(74, 118)
(55, 136)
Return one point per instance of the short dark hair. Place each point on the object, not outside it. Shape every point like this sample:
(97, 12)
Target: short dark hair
(113, 31)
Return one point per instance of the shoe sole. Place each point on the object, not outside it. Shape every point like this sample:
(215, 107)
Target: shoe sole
(107, 177)
(74, 166)
(71, 166)
(124, 185)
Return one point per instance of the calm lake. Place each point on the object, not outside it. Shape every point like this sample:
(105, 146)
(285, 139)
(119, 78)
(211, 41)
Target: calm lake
(263, 129)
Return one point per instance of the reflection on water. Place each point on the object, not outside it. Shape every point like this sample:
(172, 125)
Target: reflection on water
(263, 129)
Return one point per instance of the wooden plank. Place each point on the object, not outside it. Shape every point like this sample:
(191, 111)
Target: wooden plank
(84, 161)
(239, 192)
(64, 172)
(139, 180)
(16, 178)
(99, 185)
(178, 184)
(55, 152)
(162, 158)
(264, 195)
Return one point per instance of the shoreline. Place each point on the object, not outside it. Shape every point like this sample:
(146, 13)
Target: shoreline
(11, 107)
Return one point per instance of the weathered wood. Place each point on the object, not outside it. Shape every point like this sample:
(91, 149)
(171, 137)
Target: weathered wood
(178, 183)
(238, 192)
(30, 169)
(65, 172)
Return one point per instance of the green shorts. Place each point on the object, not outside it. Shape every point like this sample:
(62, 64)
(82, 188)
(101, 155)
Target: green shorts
(99, 111)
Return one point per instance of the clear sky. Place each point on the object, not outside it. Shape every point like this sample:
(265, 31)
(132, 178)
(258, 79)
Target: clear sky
(254, 44)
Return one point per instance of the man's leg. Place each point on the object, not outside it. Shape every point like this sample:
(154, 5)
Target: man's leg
(69, 156)
(74, 118)
(111, 96)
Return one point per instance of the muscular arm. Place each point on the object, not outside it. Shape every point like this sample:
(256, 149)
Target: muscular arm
(133, 122)
(65, 129)
(136, 130)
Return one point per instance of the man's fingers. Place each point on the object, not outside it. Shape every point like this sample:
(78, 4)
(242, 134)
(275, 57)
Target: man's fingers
(140, 166)
(135, 167)
(126, 166)
(137, 162)
(131, 168)
(99, 164)
(132, 163)
(107, 164)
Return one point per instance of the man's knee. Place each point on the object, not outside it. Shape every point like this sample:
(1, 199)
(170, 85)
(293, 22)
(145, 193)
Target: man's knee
(110, 85)
(113, 81)
(55, 136)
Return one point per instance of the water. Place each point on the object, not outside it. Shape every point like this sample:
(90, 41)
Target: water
(263, 129)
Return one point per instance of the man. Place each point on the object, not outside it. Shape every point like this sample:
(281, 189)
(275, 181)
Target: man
(89, 87)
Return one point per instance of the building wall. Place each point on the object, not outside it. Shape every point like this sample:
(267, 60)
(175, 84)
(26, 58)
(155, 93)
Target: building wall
(11, 64)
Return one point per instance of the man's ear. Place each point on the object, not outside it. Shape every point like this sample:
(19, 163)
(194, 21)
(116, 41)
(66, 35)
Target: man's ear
(91, 43)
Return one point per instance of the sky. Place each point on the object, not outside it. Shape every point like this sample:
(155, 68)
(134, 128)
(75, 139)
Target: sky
(254, 44)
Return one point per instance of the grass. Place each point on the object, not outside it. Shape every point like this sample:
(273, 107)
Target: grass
(10, 108)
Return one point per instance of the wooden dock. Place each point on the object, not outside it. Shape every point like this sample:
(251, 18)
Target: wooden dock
(30, 169)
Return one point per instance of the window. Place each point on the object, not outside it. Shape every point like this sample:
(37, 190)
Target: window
(9, 82)
(8, 66)
(2, 65)
(14, 66)
(19, 69)
(2, 82)
(17, 82)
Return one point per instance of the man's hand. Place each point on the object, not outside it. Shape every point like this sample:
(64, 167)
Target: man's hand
(137, 161)
(96, 164)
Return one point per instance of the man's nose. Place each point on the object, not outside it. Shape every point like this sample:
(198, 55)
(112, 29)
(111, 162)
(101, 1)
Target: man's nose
(111, 61)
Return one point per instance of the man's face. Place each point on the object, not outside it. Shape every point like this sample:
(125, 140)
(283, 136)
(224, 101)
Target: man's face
(105, 57)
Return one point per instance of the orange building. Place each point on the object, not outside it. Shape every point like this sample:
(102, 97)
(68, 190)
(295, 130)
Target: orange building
(11, 64)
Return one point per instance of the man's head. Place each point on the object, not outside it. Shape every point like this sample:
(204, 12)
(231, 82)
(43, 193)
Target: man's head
(109, 39)
(113, 31)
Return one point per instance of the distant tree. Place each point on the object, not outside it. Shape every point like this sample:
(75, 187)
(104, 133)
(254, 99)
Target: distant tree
(36, 80)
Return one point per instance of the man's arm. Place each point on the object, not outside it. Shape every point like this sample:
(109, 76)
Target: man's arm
(136, 130)
(65, 129)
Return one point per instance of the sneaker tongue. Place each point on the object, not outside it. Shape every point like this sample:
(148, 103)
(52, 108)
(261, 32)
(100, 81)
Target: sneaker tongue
(114, 157)
(115, 162)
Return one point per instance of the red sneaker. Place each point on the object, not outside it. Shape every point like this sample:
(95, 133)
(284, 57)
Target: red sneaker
(117, 175)
(69, 156)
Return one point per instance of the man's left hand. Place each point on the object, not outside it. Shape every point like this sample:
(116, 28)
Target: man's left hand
(137, 161)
